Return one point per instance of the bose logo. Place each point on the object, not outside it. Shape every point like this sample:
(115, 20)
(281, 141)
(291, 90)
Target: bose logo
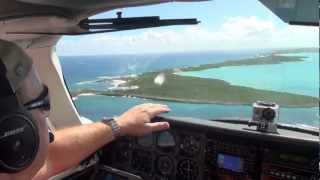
(12, 132)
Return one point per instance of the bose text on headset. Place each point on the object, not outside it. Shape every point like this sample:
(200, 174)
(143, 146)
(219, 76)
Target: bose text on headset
(19, 132)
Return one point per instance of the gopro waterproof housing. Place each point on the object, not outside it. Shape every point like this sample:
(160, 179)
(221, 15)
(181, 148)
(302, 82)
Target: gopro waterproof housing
(266, 116)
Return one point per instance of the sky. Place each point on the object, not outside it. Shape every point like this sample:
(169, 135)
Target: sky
(225, 25)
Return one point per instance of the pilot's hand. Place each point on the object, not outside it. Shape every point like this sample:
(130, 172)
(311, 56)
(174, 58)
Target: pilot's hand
(137, 120)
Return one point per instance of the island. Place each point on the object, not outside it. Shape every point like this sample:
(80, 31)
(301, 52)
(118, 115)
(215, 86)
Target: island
(200, 90)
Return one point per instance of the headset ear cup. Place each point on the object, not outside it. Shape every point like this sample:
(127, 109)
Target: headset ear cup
(19, 141)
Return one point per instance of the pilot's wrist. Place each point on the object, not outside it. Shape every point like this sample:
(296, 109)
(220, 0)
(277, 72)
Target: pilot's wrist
(115, 127)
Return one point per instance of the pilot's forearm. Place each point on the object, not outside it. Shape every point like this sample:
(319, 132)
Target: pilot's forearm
(72, 145)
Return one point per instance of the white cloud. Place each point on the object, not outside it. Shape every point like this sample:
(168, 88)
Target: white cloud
(234, 33)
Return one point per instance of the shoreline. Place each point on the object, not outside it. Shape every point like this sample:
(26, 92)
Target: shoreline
(269, 59)
(176, 88)
(180, 100)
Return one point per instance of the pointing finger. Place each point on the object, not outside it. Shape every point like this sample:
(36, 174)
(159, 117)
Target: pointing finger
(158, 126)
(153, 105)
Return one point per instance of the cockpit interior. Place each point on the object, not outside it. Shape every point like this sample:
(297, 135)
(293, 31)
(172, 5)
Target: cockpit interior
(223, 149)
(229, 148)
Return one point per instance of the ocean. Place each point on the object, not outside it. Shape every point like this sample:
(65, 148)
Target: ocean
(82, 72)
(291, 77)
(79, 71)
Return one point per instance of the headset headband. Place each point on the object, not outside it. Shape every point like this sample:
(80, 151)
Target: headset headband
(6, 89)
(7, 95)
(16, 64)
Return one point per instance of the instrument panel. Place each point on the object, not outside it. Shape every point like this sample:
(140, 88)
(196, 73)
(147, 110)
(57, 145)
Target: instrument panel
(198, 151)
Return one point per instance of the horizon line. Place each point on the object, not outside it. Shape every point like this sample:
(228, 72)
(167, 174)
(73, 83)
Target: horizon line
(192, 51)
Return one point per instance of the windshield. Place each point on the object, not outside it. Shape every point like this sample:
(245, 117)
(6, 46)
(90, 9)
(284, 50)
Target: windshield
(237, 55)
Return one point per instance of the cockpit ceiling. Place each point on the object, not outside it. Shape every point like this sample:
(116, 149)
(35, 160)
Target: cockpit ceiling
(291, 11)
(65, 14)
(90, 5)
(68, 8)
(10, 9)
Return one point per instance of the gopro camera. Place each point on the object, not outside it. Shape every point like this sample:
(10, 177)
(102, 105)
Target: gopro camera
(266, 115)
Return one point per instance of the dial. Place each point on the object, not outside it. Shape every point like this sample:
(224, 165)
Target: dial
(190, 145)
(187, 170)
(165, 165)
(166, 140)
(142, 160)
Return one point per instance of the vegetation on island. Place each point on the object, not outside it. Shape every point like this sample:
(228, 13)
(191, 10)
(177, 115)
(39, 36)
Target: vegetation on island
(262, 60)
(200, 90)
(296, 50)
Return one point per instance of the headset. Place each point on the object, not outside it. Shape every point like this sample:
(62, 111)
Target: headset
(19, 136)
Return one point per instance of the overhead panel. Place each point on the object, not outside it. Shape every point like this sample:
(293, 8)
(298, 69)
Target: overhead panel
(296, 12)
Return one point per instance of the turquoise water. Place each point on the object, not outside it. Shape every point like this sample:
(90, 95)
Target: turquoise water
(95, 107)
(82, 71)
(292, 77)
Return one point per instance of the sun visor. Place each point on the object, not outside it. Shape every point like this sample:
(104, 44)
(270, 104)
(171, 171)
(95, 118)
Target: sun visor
(16, 62)
(295, 12)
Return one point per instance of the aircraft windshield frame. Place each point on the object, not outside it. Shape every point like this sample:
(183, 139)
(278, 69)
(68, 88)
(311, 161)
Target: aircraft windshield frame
(201, 83)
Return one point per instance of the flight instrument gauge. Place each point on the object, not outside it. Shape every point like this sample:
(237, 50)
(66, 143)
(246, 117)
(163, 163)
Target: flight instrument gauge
(187, 170)
(165, 165)
(166, 140)
(190, 145)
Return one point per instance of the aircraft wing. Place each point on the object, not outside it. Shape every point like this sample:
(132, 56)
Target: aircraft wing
(295, 12)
